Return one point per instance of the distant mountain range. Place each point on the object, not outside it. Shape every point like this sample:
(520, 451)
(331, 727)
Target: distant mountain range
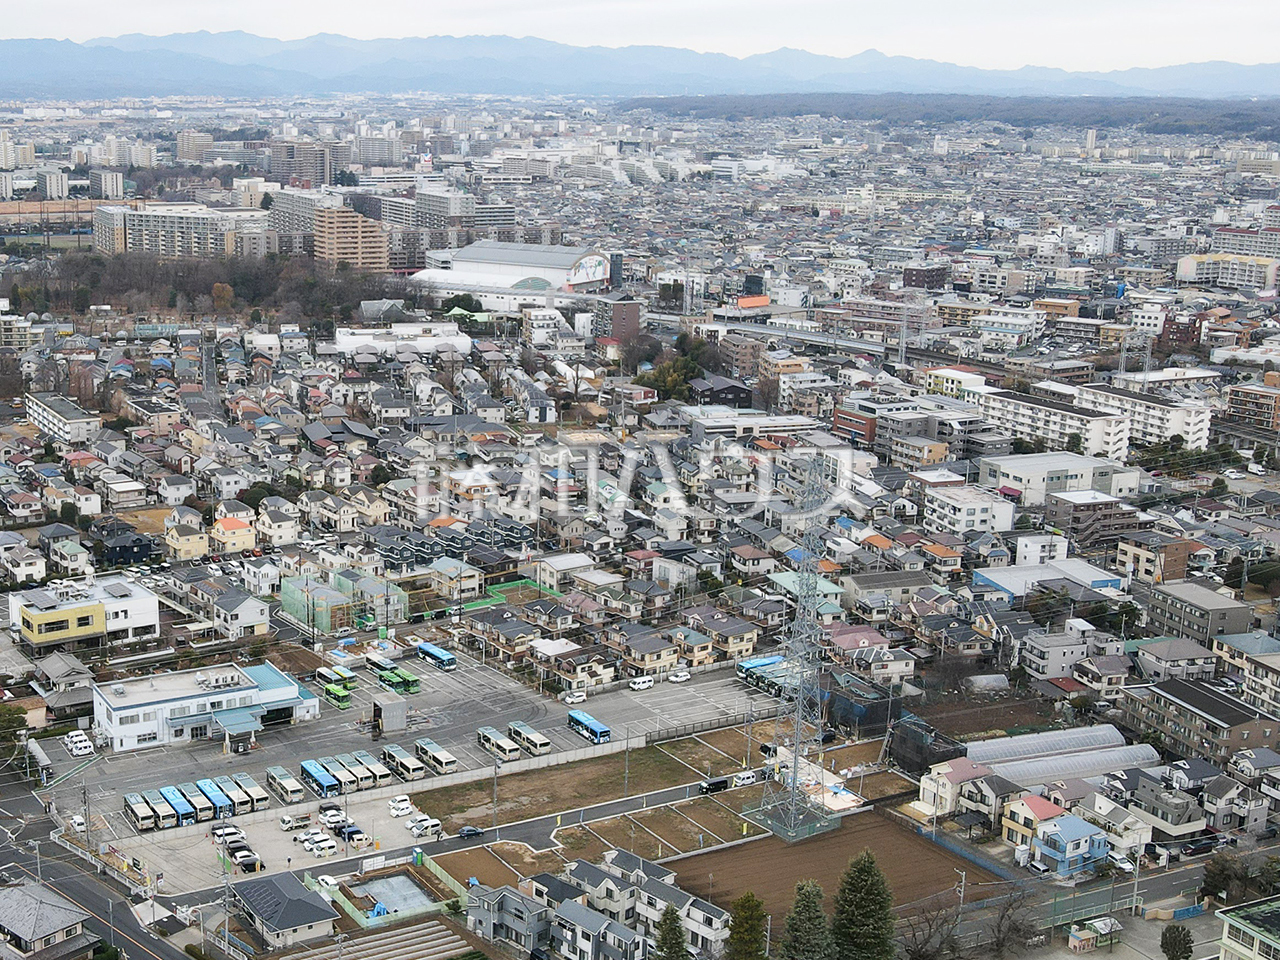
(241, 64)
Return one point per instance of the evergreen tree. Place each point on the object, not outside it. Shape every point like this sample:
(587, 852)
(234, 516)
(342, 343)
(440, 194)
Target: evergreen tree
(863, 927)
(1176, 942)
(669, 936)
(807, 936)
(746, 929)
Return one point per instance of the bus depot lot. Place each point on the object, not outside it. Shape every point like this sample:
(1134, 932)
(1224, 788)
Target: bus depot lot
(449, 708)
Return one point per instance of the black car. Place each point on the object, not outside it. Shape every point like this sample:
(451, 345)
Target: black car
(330, 805)
(466, 833)
(713, 786)
(1199, 845)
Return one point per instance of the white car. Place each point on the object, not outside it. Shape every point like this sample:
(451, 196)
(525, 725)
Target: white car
(416, 819)
(333, 818)
(1123, 864)
(313, 842)
(641, 683)
(307, 836)
(403, 810)
(323, 848)
(327, 881)
(680, 676)
(1233, 474)
(574, 696)
(76, 823)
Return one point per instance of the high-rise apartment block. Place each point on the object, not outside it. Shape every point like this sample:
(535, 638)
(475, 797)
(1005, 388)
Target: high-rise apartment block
(106, 185)
(52, 184)
(443, 207)
(192, 144)
(343, 236)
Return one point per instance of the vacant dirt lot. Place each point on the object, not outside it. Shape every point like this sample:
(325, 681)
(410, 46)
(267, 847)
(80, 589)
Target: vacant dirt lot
(478, 863)
(877, 785)
(915, 868)
(717, 820)
(702, 757)
(627, 834)
(149, 520)
(579, 843)
(523, 795)
(962, 718)
(677, 830)
(524, 861)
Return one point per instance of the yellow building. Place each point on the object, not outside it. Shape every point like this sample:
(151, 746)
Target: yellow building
(185, 542)
(343, 236)
(230, 535)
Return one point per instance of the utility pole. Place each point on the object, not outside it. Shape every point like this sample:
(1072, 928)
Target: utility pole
(626, 764)
(88, 824)
(496, 764)
(960, 885)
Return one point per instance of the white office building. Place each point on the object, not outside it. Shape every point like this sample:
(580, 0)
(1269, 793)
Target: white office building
(224, 702)
(1032, 476)
(961, 510)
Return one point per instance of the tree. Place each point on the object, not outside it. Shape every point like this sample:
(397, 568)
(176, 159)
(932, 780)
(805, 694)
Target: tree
(1075, 443)
(68, 513)
(81, 300)
(1226, 877)
(222, 297)
(13, 723)
(267, 200)
(931, 933)
(1219, 487)
(862, 928)
(746, 929)
(464, 300)
(806, 936)
(669, 936)
(1176, 942)
(1011, 926)
(380, 475)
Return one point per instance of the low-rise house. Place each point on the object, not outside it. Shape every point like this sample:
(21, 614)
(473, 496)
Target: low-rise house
(1176, 658)
(24, 565)
(39, 923)
(183, 542)
(1127, 833)
(1230, 805)
(1068, 845)
(1022, 818)
(283, 911)
(231, 535)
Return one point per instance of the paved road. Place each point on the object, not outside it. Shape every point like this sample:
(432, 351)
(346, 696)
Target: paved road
(102, 899)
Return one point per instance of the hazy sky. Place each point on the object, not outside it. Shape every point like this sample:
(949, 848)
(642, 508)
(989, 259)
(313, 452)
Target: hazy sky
(1078, 34)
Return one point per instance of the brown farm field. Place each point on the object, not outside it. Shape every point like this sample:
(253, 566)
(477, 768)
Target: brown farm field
(963, 718)
(915, 868)
(478, 863)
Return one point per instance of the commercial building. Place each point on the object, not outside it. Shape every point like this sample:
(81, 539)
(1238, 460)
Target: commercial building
(224, 702)
(1055, 424)
(1195, 612)
(61, 420)
(84, 615)
(1198, 719)
(343, 236)
(1033, 476)
(523, 266)
(1152, 419)
(1250, 931)
(961, 510)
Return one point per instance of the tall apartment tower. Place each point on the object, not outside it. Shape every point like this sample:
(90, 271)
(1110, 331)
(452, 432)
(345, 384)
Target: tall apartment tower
(106, 185)
(343, 236)
(192, 144)
(52, 184)
(442, 207)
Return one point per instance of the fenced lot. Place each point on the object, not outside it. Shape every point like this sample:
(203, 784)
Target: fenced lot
(916, 869)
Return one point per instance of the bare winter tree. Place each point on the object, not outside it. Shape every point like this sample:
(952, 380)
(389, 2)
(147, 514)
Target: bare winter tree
(1011, 927)
(931, 933)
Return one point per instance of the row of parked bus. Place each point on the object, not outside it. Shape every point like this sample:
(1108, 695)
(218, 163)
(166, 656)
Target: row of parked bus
(214, 798)
(336, 682)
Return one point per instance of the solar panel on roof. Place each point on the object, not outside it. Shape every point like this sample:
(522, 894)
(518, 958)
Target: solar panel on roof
(118, 589)
(42, 601)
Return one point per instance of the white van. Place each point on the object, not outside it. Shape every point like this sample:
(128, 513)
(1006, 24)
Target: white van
(1256, 469)
(744, 779)
(641, 683)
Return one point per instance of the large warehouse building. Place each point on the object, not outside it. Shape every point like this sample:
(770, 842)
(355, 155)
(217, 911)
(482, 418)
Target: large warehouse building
(496, 269)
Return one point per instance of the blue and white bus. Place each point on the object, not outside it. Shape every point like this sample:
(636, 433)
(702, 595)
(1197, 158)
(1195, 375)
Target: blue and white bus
(318, 779)
(199, 802)
(585, 725)
(222, 805)
(184, 811)
(437, 657)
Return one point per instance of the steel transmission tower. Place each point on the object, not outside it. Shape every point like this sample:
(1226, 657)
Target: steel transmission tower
(786, 808)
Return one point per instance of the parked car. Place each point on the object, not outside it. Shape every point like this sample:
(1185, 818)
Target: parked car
(574, 696)
(306, 836)
(324, 848)
(641, 683)
(76, 823)
(403, 810)
(1199, 845)
(744, 779)
(714, 785)
(680, 676)
(1268, 833)
(348, 831)
(333, 818)
(466, 833)
(1123, 864)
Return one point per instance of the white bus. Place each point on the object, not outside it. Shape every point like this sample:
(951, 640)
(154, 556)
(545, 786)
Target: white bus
(257, 796)
(347, 782)
(402, 763)
(381, 775)
(528, 739)
(199, 802)
(240, 802)
(164, 815)
(140, 815)
(491, 739)
(435, 756)
(364, 778)
(285, 785)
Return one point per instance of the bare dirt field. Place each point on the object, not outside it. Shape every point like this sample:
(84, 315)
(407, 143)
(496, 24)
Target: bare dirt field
(963, 718)
(852, 755)
(478, 863)
(579, 843)
(148, 520)
(915, 868)
(715, 818)
(521, 858)
(627, 834)
(672, 826)
(703, 758)
(877, 785)
(523, 795)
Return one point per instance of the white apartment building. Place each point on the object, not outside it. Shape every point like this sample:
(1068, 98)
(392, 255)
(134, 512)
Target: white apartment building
(1035, 418)
(294, 211)
(1229, 270)
(173, 229)
(961, 510)
(52, 184)
(57, 417)
(1033, 476)
(1151, 418)
(1011, 326)
(106, 185)
(224, 702)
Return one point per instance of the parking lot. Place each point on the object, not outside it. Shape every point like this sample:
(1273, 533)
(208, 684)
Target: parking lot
(448, 709)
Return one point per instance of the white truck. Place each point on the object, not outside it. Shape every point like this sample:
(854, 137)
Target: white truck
(296, 821)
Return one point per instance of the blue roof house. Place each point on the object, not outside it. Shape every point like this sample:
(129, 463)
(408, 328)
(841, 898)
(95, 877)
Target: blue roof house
(1068, 844)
